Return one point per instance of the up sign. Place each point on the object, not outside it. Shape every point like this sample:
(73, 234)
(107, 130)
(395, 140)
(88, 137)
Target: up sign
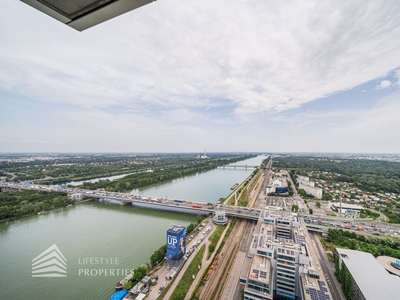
(172, 240)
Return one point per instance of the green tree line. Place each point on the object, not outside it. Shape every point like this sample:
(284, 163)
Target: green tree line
(374, 245)
(19, 204)
(133, 181)
(368, 175)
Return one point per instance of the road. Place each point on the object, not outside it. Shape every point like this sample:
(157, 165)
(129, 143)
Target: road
(333, 284)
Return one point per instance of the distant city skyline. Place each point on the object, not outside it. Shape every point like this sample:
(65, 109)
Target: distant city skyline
(173, 76)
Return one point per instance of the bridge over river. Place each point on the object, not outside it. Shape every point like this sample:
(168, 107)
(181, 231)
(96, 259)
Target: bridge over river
(177, 205)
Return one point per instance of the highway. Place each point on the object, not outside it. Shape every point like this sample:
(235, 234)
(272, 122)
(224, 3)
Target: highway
(147, 201)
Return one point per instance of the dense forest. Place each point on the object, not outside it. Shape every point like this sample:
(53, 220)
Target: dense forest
(157, 175)
(374, 245)
(64, 168)
(368, 175)
(19, 204)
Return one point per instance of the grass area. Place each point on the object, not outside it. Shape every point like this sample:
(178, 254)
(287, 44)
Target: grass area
(187, 280)
(196, 292)
(230, 199)
(228, 232)
(230, 259)
(214, 238)
(242, 201)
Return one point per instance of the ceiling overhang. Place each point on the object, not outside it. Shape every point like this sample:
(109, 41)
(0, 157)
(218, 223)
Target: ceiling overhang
(83, 14)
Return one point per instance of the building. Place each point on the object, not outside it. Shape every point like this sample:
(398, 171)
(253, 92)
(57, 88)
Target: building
(220, 218)
(141, 288)
(205, 154)
(277, 186)
(176, 242)
(348, 209)
(391, 264)
(369, 278)
(315, 191)
(76, 197)
(303, 178)
(280, 264)
(308, 183)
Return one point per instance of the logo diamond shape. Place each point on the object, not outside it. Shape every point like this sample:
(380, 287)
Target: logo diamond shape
(50, 263)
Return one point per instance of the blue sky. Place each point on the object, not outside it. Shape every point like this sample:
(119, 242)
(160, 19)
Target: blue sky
(177, 76)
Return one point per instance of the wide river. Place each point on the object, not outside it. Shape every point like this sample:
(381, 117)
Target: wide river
(99, 242)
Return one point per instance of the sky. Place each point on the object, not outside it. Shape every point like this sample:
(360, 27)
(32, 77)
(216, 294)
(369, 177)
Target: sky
(183, 76)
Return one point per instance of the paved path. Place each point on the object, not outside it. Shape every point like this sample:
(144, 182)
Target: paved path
(233, 279)
(154, 292)
(205, 262)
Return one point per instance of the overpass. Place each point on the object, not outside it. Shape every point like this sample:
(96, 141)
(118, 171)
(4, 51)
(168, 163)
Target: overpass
(176, 205)
(239, 167)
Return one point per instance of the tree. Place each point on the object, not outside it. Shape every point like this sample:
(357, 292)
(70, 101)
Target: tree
(318, 204)
(310, 211)
(295, 208)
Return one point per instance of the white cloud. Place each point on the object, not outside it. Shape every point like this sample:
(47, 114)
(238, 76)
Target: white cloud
(203, 67)
(383, 85)
(397, 75)
(260, 56)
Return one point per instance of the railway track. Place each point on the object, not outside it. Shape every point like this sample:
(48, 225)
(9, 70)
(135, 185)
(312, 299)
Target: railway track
(214, 287)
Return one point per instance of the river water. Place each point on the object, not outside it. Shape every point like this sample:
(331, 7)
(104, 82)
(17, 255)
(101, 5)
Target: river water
(99, 242)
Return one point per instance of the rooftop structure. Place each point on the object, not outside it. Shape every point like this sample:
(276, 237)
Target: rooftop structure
(391, 264)
(315, 191)
(220, 218)
(282, 263)
(83, 14)
(349, 209)
(370, 279)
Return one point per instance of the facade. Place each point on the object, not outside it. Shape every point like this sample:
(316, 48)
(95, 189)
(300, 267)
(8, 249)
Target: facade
(220, 218)
(369, 278)
(349, 209)
(315, 191)
(303, 178)
(176, 242)
(76, 197)
(281, 264)
(277, 186)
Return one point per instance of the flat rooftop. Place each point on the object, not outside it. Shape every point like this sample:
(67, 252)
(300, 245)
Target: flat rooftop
(371, 277)
(260, 269)
(347, 206)
(315, 289)
(386, 261)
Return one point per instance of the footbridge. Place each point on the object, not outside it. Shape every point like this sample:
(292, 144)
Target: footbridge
(176, 205)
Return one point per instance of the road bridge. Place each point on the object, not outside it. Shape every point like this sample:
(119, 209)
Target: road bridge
(239, 167)
(177, 205)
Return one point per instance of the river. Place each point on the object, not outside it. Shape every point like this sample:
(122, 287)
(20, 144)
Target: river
(96, 238)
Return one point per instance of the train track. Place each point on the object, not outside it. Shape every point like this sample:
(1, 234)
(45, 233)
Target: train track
(214, 287)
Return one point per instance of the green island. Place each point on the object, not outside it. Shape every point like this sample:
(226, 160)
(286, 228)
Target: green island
(24, 203)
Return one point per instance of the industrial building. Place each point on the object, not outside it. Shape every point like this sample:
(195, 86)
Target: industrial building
(278, 186)
(280, 264)
(347, 209)
(369, 278)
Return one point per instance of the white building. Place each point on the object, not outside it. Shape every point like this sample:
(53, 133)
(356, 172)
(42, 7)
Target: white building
(279, 263)
(76, 197)
(369, 278)
(315, 191)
